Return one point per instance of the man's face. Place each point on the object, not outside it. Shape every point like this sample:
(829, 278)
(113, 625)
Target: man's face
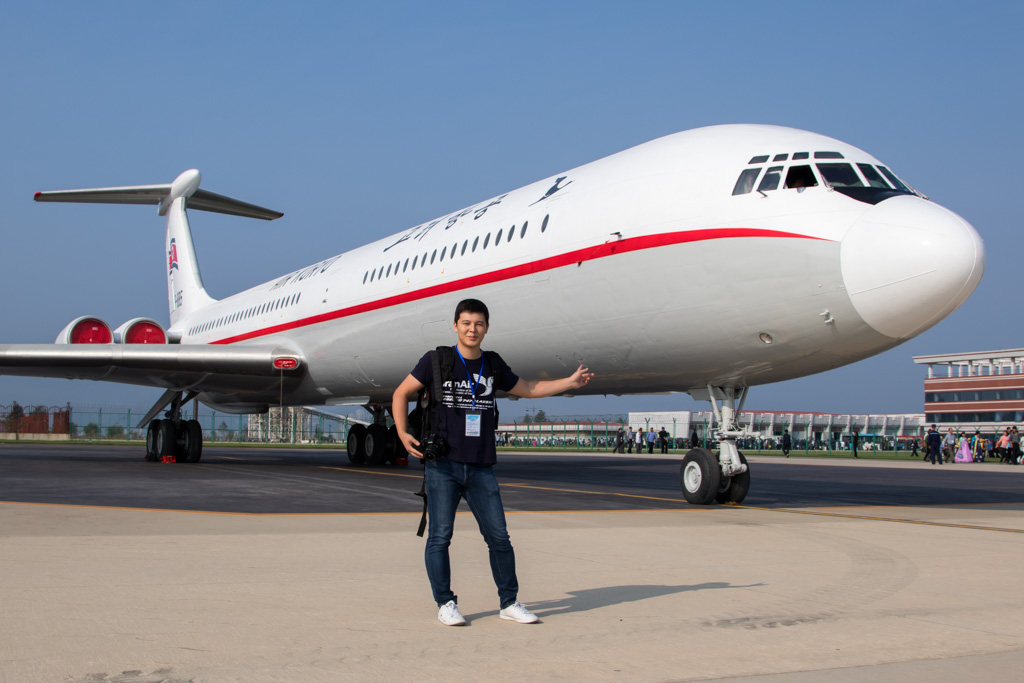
(471, 328)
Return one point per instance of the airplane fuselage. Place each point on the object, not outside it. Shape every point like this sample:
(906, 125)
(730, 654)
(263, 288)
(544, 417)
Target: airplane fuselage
(658, 267)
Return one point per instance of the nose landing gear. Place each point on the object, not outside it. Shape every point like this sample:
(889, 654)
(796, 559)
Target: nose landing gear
(705, 479)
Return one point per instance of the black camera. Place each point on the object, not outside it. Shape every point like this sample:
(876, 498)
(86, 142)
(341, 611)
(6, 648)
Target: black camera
(433, 446)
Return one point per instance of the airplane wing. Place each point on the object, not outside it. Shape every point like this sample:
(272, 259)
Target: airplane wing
(181, 367)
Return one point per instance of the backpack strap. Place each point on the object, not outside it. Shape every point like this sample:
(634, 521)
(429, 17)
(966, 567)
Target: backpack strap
(429, 420)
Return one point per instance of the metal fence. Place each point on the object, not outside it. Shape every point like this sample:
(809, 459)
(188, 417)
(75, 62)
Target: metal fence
(95, 423)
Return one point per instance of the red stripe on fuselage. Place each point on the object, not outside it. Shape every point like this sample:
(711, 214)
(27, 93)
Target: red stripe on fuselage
(550, 263)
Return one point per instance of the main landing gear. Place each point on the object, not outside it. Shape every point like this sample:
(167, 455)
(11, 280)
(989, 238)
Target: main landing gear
(173, 436)
(376, 444)
(704, 478)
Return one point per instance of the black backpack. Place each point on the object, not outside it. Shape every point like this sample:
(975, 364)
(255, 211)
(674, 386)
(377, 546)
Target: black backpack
(426, 418)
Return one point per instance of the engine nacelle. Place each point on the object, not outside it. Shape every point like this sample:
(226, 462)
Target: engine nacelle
(140, 331)
(87, 329)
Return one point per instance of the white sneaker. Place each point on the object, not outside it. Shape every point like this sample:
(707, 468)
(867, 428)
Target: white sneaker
(516, 612)
(449, 614)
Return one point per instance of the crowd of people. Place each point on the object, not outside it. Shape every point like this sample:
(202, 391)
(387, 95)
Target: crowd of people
(626, 440)
(962, 447)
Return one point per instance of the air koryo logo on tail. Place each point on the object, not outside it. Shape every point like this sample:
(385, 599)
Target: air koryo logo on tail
(172, 257)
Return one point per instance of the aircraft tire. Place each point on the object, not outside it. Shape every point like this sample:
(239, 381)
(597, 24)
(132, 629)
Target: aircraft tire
(376, 445)
(394, 444)
(166, 438)
(151, 452)
(734, 489)
(356, 444)
(192, 442)
(699, 477)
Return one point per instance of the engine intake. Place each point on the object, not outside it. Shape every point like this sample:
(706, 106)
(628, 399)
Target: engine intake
(87, 329)
(140, 331)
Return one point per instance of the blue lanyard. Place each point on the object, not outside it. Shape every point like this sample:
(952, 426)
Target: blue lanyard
(474, 380)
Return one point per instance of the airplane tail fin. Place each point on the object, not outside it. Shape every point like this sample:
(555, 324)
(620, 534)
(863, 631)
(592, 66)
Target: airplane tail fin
(185, 290)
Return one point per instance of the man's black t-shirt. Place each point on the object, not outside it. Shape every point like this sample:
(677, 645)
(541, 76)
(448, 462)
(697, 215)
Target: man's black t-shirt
(457, 402)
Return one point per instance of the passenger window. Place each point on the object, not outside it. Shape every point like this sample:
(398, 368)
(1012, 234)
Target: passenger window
(414, 259)
(487, 239)
(405, 266)
(443, 252)
(433, 256)
(476, 242)
(800, 176)
(464, 245)
(873, 177)
(771, 179)
(544, 225)
(745, 183)
(522, 233)
(511, 233)
(839, 175)
(497, 240)
(389, 271)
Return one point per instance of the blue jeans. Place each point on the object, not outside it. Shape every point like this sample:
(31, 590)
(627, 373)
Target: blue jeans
(447, 482)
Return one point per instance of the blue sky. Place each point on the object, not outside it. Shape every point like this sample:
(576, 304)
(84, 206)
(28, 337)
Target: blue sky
(360, 120)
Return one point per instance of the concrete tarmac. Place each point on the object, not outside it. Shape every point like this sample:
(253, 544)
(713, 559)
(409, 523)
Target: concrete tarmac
(632, 586)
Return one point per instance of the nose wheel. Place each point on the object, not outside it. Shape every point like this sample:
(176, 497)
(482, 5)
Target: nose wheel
(699, 477)
(706, 478)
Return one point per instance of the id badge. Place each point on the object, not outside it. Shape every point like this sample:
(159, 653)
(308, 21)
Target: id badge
(473, 422)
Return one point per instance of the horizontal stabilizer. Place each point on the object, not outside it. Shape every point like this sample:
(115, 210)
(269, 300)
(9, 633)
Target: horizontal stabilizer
(156, 194)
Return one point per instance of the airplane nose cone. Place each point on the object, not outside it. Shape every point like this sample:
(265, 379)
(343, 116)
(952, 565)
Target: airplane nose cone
(908, 263)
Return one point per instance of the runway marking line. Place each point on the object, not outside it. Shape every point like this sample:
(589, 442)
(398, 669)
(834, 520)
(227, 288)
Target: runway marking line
(516, 485)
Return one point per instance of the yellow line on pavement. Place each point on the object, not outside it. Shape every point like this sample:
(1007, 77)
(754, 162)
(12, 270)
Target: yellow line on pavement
(882, 519)
(594, 493)
(386, 474)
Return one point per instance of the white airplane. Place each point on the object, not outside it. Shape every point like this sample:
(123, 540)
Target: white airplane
(706, 262)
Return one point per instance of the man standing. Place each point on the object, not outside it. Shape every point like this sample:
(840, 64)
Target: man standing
(787, 442)
(663, 439)
(934, 442)
(949, 445)
(651, 438)
(466, 419)
(629, 439)
(854, 442)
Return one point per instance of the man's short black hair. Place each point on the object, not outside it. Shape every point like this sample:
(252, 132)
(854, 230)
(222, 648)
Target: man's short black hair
(472, 306)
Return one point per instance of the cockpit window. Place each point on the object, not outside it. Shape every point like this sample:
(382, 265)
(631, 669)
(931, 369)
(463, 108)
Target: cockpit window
(745, 183)
(839, 175)
(759, 159)
(800, 176)
(873, 177)
(771, 179)
(828, 155)
(800, 155)
(780, 157)
(896, 182)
